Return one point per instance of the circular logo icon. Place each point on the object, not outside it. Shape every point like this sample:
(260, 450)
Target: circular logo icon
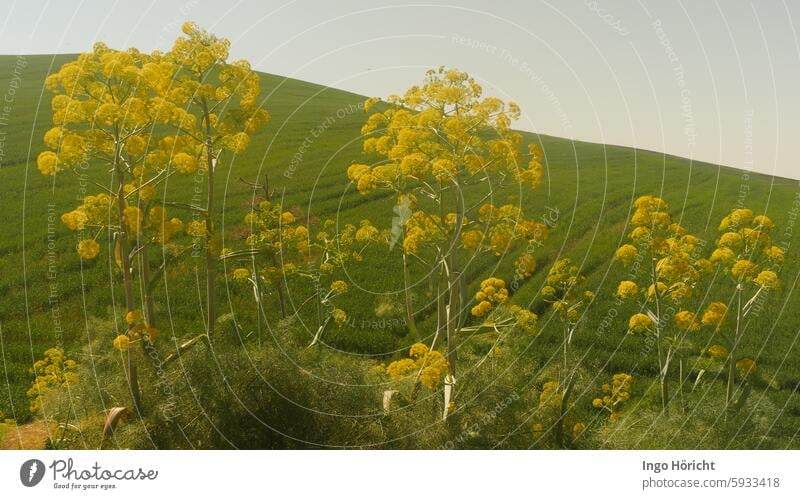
(31, 472)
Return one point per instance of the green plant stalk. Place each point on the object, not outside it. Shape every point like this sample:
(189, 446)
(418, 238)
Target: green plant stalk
(567, 385)
(149, 307)
(562, 412)
(211, 263)
(274, 259)
(454, 289)
(452, 321)
(127, 279)
(729, 389)
(662, 375)
(279, 285)
(566, 348)
(680, 382)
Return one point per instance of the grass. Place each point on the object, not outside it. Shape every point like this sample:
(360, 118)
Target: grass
(49, 297)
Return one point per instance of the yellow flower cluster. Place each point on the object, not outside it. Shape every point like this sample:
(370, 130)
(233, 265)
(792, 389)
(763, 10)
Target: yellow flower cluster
(196, 228)
(367, 232)
(55, 370)
(676, 270)
(687, 321)
(767, 279)
(430, 364)
(339, 287)
(421, 230)
(101, 92)
(745, 249)
(137, 329)
(717, 352)
(746, 367)
(277, 232)
(524, 319)
(502, 227)
(715, 314)
(433, 134)
(339, 316)
(94, 212)
(241, 274)
(493, 292)
(88, 249)
(627, 289)
(164, 229)
(210, 87)
(526, 265)
(640, 323)
(627, 253)
(337, 248)
(562, 290)
(550, 397)
(122, 342)
(614, 394)
(667, 242)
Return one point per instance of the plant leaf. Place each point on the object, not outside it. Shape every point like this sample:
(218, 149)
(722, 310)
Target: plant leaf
(116, 416)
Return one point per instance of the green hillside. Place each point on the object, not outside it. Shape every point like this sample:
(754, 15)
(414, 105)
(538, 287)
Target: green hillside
(50, 297)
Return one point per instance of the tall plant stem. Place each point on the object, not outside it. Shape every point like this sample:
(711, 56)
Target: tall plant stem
(211, 260)
(681, 381)
(127, 278)
(662, 374)
(454, 288)
(279, 285)
(732, 356)
(274, 258)
(565, 351)
(566, 388)
(149, 307)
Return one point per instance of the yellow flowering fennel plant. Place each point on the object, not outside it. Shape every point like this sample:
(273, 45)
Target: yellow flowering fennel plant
(104, 111)
(563, 291)
(428, 366)
(553, 413)
(614, 395)
(212, 106)
(745, 253)
(431, 142)
(282, 240)
(54, 373)
(664, 273)
(55, 370)
(280, 248)
(499, 316)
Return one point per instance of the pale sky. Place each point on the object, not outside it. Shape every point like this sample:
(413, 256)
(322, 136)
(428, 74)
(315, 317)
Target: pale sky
(714, 80)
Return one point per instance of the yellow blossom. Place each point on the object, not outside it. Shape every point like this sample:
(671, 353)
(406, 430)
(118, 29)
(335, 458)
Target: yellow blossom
(88, 249)
(627, 289)
(717, 352)
(687, 321)
(768, 279)
(627, 253)
(640, 323)
(746, 367)
(122, 343)
(339, 287)
(715, 314)
(134, 317)
(241, 274)
(744, 270)
(339, 316)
